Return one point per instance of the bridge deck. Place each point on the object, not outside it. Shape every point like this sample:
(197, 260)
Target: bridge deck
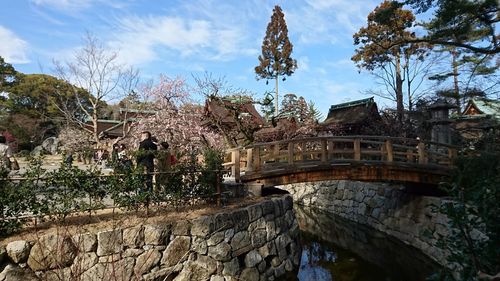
(366, 158)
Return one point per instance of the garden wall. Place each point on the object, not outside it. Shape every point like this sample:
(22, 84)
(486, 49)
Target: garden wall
(386, 207)
(258, 242)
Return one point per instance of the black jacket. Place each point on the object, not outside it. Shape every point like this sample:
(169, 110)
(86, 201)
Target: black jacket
(146, 153)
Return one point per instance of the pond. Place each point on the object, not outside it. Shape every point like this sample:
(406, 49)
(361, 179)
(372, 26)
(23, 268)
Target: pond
(340, 250)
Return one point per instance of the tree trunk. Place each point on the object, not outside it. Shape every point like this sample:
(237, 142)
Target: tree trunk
(276, 104)
(95, 124)
(399, 90)
(456, 92)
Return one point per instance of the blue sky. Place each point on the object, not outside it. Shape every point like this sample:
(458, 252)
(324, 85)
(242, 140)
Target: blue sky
(185, 38)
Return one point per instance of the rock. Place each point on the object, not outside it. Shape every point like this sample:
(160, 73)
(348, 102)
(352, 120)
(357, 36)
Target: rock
(254, 212)
(220, 252)
(240, 240)
(156, 234)
(58, 274)
(37, 151)
(120, 270)
(177, 251)
(270, 230)
(223, 221)
(262, 266)
(200, 245)
(268, 249)
(216, 278)
(109, 242)
(288, 265)
(267, 207)
(86, 242)
(249, 274)
(278, 207)
(252, 258)
(15, 273)
(287, 203)
(228, 235)
(51, 145)
(95, 273)
(202, 226)
(110, 258)
(18, 251)
(289, 218)
(84, 262)
(231, 267)
(52, 251)
(240, 218)
(133, 237)
(132, 253)
(200, 269)
(216, 238)
(162, 274)
(260, 223)
(259, 237)
(280, 270)
(3, 254)
(147, 261)
(181, 228)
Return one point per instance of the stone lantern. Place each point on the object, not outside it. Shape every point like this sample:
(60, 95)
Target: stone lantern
(440, 121)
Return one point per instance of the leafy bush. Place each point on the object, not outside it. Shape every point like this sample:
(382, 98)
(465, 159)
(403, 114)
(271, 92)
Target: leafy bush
(68, 189)
(474, 212)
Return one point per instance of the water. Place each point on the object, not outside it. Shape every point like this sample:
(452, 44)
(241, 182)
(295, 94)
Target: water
(336, 249)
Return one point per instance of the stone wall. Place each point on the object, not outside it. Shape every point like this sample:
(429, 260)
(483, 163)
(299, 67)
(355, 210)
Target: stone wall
(258, 242)
(386, 207)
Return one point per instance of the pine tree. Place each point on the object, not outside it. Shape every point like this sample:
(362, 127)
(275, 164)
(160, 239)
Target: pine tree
(275, 60)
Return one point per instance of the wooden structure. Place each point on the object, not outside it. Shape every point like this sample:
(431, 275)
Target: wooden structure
(350, 118)
(366, 158)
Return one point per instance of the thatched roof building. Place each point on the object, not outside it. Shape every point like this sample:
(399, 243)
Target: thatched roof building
(354, 117)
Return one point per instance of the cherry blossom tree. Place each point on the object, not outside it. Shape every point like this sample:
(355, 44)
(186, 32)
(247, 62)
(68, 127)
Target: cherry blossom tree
(177, 120)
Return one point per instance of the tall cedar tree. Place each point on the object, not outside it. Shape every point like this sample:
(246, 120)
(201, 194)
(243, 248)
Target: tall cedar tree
(377, 49)
(275, 60)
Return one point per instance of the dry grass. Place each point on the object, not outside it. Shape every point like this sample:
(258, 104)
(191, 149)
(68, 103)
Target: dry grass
(112, 218)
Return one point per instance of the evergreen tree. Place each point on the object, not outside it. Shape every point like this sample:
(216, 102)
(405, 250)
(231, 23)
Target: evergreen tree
(275, 60)
(377, 48)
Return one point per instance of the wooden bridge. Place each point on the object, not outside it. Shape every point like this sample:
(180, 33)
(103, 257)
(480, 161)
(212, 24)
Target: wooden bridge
(365, 158)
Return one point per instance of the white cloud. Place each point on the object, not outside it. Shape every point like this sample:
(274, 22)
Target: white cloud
(140, 39)
(328, 21)
(13, 49)
(67, 5)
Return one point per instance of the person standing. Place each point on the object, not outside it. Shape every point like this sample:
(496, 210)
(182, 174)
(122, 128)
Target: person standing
(5, 155)
(145, 158)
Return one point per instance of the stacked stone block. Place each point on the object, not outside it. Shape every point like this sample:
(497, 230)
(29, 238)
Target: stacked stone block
(258, 242)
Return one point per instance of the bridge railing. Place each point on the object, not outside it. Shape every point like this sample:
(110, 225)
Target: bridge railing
(323, 150)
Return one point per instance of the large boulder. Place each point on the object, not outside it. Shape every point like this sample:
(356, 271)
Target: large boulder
(176, 251)
(18, 251)
(51, 145)
(16, 273)
(52, 251)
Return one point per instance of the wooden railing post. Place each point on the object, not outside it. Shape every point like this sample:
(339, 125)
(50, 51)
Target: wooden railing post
(291, 155)
(276, 153)
(388, 149)
(452, 154)
(357, 149)
(331, 147)
(256, 159)
(249, 160)
(235, 159)
(422, 157)
(302, 151)
(324, 151)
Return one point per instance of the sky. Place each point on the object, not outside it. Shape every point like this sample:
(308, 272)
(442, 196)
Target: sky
(187, 38)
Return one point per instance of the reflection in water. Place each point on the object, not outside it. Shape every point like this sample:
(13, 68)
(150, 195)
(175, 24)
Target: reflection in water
(337, 249)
